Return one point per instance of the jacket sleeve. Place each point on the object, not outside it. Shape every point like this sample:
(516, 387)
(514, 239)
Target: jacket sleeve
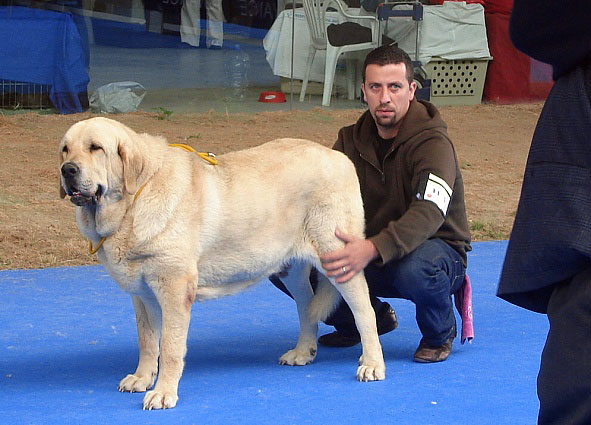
(433, 169)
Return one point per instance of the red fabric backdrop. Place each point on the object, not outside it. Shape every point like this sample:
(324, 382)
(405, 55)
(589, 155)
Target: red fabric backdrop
(498, 6)
(511, 76)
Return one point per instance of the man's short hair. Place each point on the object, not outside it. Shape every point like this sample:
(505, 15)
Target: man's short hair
(387, 55)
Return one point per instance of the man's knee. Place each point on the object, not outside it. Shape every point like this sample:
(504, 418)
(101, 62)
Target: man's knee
(427, 272)
(420, 279)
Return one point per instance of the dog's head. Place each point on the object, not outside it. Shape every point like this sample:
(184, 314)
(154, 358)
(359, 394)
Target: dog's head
(98, 157)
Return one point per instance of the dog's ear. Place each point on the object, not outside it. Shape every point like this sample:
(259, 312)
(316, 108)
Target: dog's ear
(60, 160)
(133, 164)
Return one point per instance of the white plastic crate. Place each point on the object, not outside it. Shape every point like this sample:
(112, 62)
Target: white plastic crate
(457, 82)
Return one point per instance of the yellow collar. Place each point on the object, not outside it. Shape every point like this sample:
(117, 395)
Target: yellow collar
(206, 156)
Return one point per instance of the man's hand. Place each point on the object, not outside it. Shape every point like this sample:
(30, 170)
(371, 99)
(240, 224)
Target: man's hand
(345, 263)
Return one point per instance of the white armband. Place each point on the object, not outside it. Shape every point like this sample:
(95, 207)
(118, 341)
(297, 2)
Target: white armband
(438, 192)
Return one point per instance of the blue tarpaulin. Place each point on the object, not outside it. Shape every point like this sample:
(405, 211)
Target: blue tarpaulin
(45, 47)
(68, 336)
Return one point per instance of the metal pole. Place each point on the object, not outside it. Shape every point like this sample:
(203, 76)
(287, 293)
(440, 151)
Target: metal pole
(292, 51)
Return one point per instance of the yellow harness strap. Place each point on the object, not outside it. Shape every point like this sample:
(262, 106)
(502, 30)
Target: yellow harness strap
(206, 156)
(92, 250)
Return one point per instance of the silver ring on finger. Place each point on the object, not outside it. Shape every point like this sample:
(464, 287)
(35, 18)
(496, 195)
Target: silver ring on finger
(344, 268)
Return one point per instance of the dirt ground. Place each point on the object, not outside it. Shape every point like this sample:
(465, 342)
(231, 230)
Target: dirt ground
(37, 228)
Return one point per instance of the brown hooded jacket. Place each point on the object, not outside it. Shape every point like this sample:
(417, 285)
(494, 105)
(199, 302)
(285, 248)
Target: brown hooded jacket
(397, 193)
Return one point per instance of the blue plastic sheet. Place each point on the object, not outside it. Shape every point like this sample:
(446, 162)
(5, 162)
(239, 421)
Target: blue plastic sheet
(45, 47)
(68, 335)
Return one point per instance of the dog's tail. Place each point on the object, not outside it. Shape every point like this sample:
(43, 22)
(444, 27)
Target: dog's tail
(325, 300)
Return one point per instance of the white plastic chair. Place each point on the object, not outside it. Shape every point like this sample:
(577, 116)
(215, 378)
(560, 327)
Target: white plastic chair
(315, 11)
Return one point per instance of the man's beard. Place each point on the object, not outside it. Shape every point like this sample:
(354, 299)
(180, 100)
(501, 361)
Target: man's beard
(388, 122)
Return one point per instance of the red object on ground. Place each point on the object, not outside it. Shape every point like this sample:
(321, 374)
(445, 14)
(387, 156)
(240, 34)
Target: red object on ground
(272, 97)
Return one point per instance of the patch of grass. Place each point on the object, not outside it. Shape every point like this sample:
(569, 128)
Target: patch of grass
(464, 165)
(49, 111)
(477, 226)
(18, 109)
(7, 200)
(322, 117)
(485, 230)
(163, 113)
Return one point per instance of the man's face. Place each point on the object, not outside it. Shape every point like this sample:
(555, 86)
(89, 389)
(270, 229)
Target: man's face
(388, 94)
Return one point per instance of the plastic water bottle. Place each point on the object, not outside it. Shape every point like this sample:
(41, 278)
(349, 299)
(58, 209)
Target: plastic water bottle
(238, 75)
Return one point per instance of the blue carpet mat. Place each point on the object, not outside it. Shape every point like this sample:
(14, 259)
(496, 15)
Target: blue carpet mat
(68, 336)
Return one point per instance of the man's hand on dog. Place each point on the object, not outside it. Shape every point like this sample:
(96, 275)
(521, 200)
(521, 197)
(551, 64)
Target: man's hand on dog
(345, 263)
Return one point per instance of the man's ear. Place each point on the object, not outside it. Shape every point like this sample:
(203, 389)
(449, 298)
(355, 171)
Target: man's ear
(132, 165)
(363, 91)
(412, 89)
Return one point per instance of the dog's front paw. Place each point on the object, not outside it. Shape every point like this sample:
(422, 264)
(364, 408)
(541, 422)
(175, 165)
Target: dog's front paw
(370, 372)
(298, 358)
(160, 400)
(135, 384)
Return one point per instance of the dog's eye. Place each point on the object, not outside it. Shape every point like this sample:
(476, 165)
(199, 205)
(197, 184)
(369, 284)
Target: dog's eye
(94, 147)
(65, 149)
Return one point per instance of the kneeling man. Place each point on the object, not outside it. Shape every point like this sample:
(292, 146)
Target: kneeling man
(412, 188)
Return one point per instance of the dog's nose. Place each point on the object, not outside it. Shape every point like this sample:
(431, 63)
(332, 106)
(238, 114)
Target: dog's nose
(69, 169)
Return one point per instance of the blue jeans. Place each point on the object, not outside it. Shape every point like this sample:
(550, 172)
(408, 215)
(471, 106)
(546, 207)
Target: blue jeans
(427, 277)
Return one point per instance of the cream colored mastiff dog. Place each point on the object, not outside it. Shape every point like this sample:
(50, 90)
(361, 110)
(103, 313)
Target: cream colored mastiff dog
(172, 228)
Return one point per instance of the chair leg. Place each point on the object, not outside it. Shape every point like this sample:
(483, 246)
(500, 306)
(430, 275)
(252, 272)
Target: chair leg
(310, 60)
(358, 79)
(350, 70)
(332, 55)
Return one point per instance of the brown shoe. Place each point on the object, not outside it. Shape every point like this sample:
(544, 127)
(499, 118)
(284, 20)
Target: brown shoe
(386, 322)
(428, 354)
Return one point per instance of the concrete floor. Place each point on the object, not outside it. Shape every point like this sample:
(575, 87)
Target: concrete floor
(196, 79)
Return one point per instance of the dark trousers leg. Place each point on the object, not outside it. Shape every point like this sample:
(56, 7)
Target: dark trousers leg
(564, 381)
(427, 277)
(342, 318)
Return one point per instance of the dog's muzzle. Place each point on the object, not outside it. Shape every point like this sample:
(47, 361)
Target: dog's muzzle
(70, 173)
(70, 170)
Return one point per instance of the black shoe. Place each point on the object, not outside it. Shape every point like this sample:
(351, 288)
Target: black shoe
(386, 321)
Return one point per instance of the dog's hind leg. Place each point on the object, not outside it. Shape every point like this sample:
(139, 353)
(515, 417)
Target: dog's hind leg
(297, 283)
(148, 330)
(356, 295)
(347, 215)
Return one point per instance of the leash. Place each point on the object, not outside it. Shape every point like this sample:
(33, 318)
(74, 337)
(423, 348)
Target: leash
(206, 156)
